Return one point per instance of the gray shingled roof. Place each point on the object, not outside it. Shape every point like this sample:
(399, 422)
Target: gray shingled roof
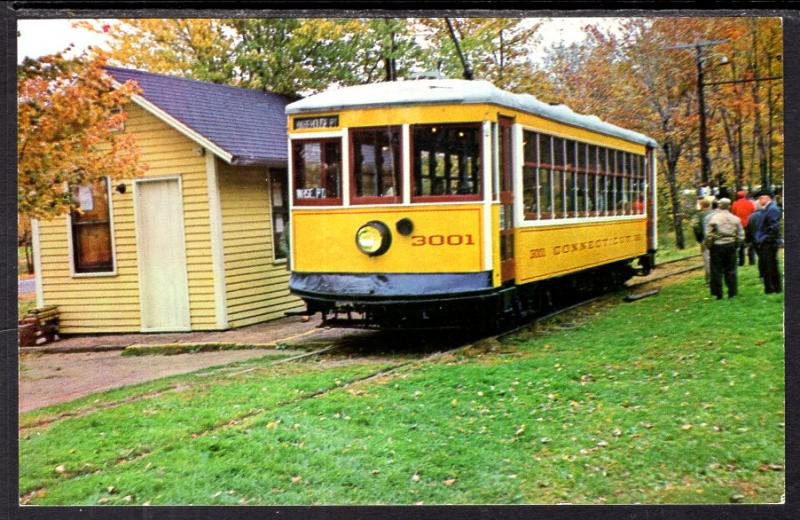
(248, 124)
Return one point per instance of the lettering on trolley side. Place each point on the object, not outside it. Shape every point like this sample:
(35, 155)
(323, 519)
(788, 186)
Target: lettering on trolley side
(442, 240)
(571, 247)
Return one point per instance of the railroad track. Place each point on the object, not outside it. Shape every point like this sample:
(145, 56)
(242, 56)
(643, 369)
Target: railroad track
(497, 337)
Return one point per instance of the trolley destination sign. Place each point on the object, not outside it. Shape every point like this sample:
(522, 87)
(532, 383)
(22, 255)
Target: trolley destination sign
(304, 123)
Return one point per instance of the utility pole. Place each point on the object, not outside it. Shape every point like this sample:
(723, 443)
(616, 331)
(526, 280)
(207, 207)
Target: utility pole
(705, 163)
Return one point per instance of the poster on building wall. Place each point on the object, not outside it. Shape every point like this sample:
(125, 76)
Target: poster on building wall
(85, 198)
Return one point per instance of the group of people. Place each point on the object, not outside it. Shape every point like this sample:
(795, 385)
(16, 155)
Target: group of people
(729, 232)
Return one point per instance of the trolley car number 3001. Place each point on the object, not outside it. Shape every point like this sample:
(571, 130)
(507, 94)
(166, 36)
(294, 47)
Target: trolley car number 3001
(440, 240)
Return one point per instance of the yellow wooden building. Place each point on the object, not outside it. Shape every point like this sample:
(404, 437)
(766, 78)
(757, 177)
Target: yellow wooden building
(195, 243)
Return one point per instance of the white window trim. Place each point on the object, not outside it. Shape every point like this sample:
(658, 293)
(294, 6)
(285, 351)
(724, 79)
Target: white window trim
(345, 154)
(490, 154)
(113, 272)
(37, 262)
(217, 243)
(406, 162)
(275, 260)
(519, 211)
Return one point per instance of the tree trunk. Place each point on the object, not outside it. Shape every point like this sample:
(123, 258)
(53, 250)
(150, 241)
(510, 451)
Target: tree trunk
(674, 195)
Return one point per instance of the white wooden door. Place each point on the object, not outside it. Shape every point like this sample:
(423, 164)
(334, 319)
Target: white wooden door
(163, 285)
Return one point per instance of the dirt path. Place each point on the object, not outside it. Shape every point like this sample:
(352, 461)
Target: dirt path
(56, 378)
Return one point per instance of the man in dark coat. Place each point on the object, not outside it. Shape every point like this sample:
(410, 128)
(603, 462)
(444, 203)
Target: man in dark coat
(753, 223)
(767, 238)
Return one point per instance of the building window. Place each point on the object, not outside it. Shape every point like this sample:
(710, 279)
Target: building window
(90, 226)
(376, 165)
(317, 166)
(446, 162)
(279, 199)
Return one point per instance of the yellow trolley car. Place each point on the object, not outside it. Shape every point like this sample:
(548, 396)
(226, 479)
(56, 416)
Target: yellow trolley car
(434, 203)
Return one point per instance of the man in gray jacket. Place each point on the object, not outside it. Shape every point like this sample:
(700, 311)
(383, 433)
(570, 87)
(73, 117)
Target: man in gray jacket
(724, 234)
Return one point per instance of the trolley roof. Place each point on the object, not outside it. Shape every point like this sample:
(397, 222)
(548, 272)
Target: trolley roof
(428, 91)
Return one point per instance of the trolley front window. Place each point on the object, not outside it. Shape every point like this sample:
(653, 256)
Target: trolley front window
(446, 163)
(317, 166)
(376, 165)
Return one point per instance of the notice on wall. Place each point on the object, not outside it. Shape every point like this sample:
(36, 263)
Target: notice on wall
(85, 198)
(277, 197)
(279, 224)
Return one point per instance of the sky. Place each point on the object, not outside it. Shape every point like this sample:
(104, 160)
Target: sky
(40, 37)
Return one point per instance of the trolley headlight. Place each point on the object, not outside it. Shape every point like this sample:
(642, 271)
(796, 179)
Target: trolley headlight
(373, 238)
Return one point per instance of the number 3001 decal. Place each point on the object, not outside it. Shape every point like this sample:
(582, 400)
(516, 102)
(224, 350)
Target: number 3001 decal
(441, 240)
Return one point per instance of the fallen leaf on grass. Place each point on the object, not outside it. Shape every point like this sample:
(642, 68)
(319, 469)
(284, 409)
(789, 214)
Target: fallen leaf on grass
(771, 467)
(686, 427)
(449, 482)
(111, 489)
(61, 469)
(415, 477)
(375, 471)
(272, 425)
(295, 480)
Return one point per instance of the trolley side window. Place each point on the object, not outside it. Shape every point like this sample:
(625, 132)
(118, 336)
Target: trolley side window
(376, 166)
(317, 168)
(446, 163)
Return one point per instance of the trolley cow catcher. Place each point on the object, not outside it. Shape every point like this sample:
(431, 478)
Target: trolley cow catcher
(435, 203)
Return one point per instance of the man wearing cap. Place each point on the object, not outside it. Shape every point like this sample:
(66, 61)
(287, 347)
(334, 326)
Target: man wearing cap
(767, 239)
(724, 233)
(743, 208)
(699, 229)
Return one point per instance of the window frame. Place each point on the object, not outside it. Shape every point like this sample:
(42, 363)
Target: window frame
(326, 201)
(74, 273)
(453, 197)
(273, 172)
(372, 199)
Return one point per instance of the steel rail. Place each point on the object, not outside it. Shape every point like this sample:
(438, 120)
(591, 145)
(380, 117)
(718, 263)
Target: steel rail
(436, 355)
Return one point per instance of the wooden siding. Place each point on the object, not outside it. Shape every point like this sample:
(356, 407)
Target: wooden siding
(111, 303)
(256, 286)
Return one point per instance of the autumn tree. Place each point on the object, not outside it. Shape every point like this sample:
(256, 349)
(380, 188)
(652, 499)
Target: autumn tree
(498, 49)
(68, 116)
(282, 55)
(197, 48)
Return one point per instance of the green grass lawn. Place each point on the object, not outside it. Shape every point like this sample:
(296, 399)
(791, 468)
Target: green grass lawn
(676, 398)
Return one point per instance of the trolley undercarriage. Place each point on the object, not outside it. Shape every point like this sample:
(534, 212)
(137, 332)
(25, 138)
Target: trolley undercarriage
(489, 309)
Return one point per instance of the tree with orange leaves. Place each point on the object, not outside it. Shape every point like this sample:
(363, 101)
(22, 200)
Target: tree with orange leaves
(68, 118)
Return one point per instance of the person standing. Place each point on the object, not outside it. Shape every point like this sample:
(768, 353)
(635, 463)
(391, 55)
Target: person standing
(743, 208)
(724, 233)
(699, 228)
(753, 224)
(767, 237)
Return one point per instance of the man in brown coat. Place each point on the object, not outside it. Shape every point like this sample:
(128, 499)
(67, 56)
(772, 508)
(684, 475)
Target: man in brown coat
(724, 234)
